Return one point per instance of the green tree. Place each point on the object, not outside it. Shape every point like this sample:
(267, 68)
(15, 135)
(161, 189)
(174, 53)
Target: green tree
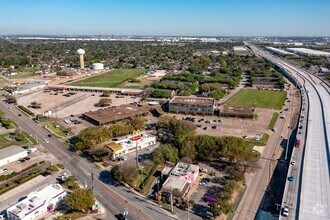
(223, 63)
(80, 199)
(11, 99)
(137, 123)
(116, 174)
(106, 93)
(35, 105)
(104, 102)
(217, 94)
(164, 153)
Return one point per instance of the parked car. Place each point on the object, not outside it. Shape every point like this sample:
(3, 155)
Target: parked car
(291, 178)
(293, 162)
(285, 211)
(3, 170)
(214, 127)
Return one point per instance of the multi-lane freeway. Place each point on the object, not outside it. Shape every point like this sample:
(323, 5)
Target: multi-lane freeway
(308, 195)
(115, 199)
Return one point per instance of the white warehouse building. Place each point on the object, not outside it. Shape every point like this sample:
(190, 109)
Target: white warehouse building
(37, 203)
(308, 52)
(11, 154)
(97, 66)
(278, 51)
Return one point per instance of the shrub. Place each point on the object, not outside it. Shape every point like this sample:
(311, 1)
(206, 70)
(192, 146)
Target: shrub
(26, 110)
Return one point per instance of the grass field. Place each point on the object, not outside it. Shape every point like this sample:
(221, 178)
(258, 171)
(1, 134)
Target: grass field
(273, 120)
(6, 143)
(111, 79)
(21, 75)
(58, 130)
(258, 98)
(261, 142)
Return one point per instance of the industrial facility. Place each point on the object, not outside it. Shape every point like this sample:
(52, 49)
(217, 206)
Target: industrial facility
(97, 66)
(278, 51)
(127, 145)
(37, 203)
(240, 49)
(11, 154)
(308, 52)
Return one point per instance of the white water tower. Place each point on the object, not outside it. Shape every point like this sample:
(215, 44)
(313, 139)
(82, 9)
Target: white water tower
(81, 53)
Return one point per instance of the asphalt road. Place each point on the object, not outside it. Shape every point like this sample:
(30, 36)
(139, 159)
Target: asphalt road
(115, 199)
(257, 186)
(309, 196)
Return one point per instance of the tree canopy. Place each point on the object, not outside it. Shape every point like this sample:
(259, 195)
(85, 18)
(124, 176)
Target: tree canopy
(80, 199)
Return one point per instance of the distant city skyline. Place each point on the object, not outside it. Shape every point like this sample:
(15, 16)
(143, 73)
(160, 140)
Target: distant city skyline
(166, 17)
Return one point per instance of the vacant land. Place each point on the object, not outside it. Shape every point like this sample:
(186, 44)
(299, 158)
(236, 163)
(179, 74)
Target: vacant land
(258, 98)
(113, 78)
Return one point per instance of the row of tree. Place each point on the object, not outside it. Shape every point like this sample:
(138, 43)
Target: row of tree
(90, 138)
(202, 147)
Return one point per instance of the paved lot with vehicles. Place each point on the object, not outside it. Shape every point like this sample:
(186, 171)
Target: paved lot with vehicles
(34, 157)
(205, 183)
(63, 106)
(222, 126)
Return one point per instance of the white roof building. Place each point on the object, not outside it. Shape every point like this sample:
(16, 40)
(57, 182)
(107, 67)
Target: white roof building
(309, 52)
(37, 203)
(278, 51)
(181, 176)
(97, 66)
(11, 154)
(127, 145)
(239, 49)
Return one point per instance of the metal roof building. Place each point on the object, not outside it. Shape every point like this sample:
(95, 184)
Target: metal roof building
(278, 51)
(309, 52)
(11, 154)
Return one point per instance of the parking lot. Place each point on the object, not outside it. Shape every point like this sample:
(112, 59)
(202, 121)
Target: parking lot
(34, 157)
(226, 126)
(209, 183)
(63, 105)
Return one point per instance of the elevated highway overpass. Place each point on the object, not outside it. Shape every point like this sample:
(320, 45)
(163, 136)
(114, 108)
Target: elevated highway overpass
(308, 195)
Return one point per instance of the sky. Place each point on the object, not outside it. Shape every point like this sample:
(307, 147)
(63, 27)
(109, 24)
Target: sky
(166, 17)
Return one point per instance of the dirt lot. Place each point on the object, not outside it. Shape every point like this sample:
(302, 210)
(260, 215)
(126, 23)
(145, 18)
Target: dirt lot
(63, 106)
(233, 126)
(146, 79)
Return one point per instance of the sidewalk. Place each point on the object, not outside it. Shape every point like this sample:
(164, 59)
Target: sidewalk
(232, 93)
